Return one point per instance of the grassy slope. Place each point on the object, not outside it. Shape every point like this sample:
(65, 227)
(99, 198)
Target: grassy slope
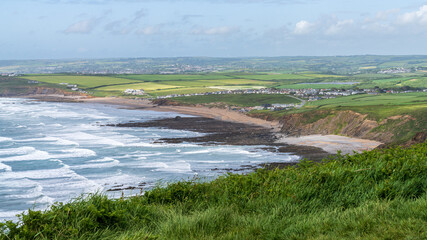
(374, 195)
(243, 100)
(376, 107)
(19, 86)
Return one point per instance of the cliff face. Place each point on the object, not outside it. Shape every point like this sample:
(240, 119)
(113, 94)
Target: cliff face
(347, 123)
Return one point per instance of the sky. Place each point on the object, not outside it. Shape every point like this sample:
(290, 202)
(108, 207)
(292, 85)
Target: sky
(64, 29)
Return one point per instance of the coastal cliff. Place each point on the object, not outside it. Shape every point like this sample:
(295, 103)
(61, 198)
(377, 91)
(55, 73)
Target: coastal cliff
(394, 129)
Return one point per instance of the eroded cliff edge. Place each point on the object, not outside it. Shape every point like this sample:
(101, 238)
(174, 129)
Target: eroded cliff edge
(399, 129)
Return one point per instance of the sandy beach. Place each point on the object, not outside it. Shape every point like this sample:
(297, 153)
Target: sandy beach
(215, 113)
(329, 143)
(332, 143)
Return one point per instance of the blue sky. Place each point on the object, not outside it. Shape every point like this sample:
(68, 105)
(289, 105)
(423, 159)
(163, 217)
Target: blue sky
(57, 29)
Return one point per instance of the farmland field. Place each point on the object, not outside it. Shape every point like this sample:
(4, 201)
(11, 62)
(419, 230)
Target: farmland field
(377, 107)
(152, 84)
(170, 77)
(367, 100)
(186, 90)
(316, 86)
(160, 85)
(81, 81)
(269, 77)
(242, 100)
(147, 86)
(219, 82)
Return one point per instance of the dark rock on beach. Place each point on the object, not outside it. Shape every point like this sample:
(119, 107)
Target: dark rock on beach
(229, 133)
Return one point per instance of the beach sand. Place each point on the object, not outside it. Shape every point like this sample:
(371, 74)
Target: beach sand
(215, 113)
(329, 143)
(332, 143)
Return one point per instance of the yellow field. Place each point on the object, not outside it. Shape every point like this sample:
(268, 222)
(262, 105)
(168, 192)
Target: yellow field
(235, 87)
(147, 86)
(236, 82)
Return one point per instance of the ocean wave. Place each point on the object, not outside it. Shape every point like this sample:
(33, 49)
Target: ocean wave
(51, 140)
(91, 138)
(76, 152)
(5, 167)
(6, 139)
(97, 165)
(24, 154)
(221, 150)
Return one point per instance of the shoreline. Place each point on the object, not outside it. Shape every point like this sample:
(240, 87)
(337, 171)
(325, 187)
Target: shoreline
(328, 143)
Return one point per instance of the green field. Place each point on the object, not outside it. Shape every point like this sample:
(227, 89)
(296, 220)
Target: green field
(81, 81)
(316, 86)
(172, 77)
(378, 107)
(241, 100)
(152, 84)
(277, 77)
(158, 85)
(400, 99)
(381, 194)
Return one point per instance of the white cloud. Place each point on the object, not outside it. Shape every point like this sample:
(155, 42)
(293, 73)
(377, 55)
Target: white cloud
(116, 27)
(303, 27)
(339, 27)
(385, 15)
(416, 17)
(147, 31)
(378, 27)
(82, 27)
(216, 31)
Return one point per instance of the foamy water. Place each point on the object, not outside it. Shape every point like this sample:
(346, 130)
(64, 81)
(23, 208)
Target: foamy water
(57, 151)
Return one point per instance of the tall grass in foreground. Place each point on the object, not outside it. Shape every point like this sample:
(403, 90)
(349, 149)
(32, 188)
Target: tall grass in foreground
(379, 194)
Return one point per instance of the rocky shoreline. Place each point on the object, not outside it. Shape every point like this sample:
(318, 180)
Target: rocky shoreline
(230, 133)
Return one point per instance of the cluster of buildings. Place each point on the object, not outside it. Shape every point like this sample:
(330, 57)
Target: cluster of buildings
(308, 94)
(305, 93)
(395, 70)
(8, 74)
(134, 92)
(73, 87)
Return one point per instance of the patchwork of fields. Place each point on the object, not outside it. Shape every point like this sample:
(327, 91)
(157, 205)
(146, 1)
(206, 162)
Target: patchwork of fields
(161, 85)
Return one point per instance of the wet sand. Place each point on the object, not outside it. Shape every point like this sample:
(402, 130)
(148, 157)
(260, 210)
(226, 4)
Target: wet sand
(329, 143)
(229, 133)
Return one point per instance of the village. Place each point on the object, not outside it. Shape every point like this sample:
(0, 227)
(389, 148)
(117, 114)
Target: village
(301, 94)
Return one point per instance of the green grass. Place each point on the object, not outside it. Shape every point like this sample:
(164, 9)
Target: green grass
(377, 107)
(381, 194)
(367, 100)
(82, 81)
(182, 90)
(171, 77)
(17, 86)
(316, 86)
(179, 84)
(401, 115)
(269, 77)
(396, 82)
(242, 100)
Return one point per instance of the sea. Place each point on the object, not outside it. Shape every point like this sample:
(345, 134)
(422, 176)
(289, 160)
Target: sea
(55, 152)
